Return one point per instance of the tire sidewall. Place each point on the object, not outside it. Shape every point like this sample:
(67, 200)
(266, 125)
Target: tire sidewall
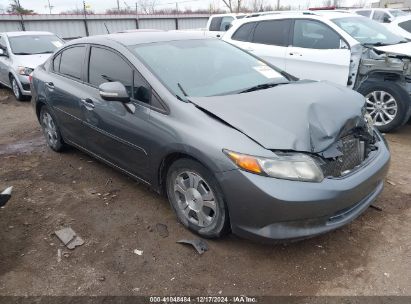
(59, 144)
(19, 97)
(220, 224)
(400, 95)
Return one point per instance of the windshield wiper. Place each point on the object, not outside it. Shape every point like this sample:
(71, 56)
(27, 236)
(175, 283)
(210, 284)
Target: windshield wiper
(23, 53)
(45, 52)
(262, 87)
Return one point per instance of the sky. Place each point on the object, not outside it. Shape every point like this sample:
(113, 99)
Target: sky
(99, 6)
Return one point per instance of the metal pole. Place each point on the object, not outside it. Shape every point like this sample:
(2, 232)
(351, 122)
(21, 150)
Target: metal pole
(278, 5)
(49, 6)
(85, 17)
(137, 25)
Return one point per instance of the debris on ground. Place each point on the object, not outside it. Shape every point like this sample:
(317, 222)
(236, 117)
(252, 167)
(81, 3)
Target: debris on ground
(376, 207)
(59, 255)
(69, 238)
(162, 230)
(138, 252)
(5, 196)
(391, 182)
(200, 245)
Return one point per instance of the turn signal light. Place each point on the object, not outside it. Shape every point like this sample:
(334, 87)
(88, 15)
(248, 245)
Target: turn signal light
(245, 162)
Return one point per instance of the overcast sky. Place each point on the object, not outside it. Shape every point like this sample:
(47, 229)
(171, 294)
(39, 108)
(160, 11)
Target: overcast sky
(99, 6)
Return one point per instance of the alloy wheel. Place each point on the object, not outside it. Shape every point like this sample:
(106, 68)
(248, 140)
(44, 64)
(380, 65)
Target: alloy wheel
(382, 107)
(15, 88)
(195, 199)
(50, 129)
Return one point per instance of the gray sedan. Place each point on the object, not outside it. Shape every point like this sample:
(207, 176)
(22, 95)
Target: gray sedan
(234, 143)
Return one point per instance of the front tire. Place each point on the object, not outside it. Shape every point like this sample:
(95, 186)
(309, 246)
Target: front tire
(16, 89)
(196, 198)
(387, 103)
(50, 130)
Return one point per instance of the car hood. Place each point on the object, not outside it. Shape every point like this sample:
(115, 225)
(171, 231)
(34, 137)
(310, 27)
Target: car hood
(301, 116)
(30, 61)
(396, 49)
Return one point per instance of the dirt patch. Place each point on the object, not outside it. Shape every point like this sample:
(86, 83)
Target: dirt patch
(115, 216)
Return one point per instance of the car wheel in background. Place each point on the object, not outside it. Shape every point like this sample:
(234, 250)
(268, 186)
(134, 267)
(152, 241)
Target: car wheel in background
(388, 104)
(16, 89)
(196, 198)
(50, 130)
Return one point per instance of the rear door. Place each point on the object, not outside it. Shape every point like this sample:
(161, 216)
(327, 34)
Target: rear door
(117, 132)
(318, 52)
(64, 86)
(267, 39)
(4, 61)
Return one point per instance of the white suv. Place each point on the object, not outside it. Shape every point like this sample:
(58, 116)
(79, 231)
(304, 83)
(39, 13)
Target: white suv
(382, 15)
(343, 48)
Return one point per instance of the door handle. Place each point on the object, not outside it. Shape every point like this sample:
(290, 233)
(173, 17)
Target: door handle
(88, 103)
(249, 50)
(295, 54)
(50, 85)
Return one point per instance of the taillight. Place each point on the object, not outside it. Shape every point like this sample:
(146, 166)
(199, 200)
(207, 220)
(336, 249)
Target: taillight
(31, 78)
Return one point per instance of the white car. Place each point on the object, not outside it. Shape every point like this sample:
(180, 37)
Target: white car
(219, 24)
(401, 26)
(20, 54)
(382, 15)
(343, 48)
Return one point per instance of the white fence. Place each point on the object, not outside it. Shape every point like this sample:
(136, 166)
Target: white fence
(73, 26)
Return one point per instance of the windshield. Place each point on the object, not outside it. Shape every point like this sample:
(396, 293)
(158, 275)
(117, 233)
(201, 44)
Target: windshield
(397, 13)
(205, 67)
(367, 31)
(36, 44)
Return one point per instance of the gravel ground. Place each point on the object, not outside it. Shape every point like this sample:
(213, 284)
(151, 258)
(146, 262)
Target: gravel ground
(115, 215)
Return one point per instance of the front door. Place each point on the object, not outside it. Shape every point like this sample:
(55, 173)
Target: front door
(117, 132)
(318, 53)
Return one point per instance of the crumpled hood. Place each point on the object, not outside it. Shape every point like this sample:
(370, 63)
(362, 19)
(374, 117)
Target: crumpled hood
(403, 49)
(300, 116)
(30, 61)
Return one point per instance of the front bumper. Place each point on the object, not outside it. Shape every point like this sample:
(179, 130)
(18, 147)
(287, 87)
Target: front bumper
(24, 84)
(265, 209)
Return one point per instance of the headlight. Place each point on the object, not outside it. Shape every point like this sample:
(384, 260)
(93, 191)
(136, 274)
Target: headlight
(291, 166)
(24, 70)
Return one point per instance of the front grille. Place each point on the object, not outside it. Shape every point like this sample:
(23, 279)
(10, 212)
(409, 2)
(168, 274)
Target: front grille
(353, 154)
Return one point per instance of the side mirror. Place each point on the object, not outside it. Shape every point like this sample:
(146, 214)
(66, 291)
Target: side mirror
(386, 19)
(114, 91)
(2, 52)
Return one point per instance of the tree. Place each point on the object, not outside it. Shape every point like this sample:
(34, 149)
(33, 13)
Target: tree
(234, 6)
(147, 6)
(16, 8)
(257, 5)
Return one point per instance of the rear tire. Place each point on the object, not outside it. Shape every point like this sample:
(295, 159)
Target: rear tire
(388, 103)
(50, 130)
(196, 198)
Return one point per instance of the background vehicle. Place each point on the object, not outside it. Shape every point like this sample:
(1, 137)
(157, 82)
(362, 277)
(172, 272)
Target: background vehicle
(382, 15)
(219, 24)
(215, 129)
(20, 54)
(344, 48)
(401, 26)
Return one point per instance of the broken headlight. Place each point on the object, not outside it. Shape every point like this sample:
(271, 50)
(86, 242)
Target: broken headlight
(24, 70)
(291, 166)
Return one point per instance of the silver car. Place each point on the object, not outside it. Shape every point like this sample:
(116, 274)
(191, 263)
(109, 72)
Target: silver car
(20, 53)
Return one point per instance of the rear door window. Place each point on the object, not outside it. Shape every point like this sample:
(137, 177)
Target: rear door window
(244, 32)
(272, 32)
(315, 35)
(215, 24)
(226, 23)
(72, 61)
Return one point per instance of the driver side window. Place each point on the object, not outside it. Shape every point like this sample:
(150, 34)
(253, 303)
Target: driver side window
(315, 35)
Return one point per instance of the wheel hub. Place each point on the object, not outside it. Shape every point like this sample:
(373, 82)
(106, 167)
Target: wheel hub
(382, 107)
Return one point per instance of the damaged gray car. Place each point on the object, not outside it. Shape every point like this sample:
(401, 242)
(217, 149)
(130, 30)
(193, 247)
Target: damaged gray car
(232, 141)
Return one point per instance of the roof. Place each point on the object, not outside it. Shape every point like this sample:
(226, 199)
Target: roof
(134, 38)
(302, 14)
(27, 33)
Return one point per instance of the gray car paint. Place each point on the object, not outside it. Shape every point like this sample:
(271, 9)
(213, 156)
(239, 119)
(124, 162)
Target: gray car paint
(183, 129)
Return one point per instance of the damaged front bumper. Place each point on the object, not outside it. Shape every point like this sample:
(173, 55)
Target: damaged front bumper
(265, 208)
